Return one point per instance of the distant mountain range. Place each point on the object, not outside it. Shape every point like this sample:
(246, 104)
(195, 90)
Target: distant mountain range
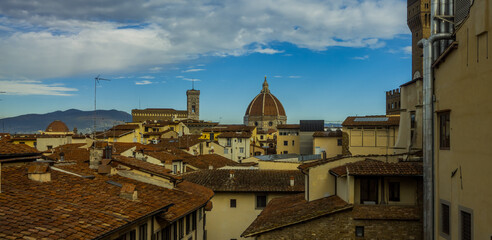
(82, 120)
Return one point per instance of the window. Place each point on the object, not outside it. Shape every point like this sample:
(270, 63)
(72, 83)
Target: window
(193, 221)
(359, 231)
(166, 234)
(193, 108)
(445, 218)
(240, 140)
(181, 228)
(466, 225)
(285, 152)
(286, 143)
(293, 142)
(200, 214)
(261, 201)
(339, 142)
(394, 191)
(226, 151)
(412, 120)
(228, 142)
(49, 147)
(444, 130)
(241, 150)
(142, 232)
(188, 224)
(261, 137)
(270, 124)
(233, 203)
(256, 124)
(368, 190)
(175, 231)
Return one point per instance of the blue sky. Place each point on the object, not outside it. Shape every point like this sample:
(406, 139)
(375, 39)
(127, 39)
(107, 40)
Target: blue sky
(323, 59)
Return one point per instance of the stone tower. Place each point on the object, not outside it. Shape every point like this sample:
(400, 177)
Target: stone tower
(193, 104)
(418, 20)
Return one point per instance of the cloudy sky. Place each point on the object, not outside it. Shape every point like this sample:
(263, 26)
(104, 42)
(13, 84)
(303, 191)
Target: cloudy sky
(323, 59)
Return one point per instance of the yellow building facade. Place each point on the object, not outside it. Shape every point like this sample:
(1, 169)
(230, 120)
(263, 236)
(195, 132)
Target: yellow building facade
(462, 116)
(288, 140)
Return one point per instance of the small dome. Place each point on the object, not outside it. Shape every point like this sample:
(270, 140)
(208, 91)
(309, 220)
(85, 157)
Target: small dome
(57, 126)
(265, 104)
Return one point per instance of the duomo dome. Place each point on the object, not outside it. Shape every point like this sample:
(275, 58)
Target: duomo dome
(265, 111)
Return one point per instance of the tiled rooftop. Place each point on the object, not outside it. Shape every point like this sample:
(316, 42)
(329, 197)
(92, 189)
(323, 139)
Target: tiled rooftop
(235, 135)
(71, 207)
(288, 126)
(285, 211)
(214, 160)
(371, 167)
(219, 180)
(146, 167)
(230, 128)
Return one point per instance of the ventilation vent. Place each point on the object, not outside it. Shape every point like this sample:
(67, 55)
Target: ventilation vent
(462, 8)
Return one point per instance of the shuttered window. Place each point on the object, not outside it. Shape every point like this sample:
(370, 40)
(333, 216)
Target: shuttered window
(445, 218)
(466, 226)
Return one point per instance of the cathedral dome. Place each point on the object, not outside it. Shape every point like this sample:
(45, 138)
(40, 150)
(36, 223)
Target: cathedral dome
(265, 104)
(57, 126)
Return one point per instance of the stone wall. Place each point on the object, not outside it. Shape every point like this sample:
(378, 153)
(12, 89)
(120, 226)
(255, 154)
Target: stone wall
(341, 225)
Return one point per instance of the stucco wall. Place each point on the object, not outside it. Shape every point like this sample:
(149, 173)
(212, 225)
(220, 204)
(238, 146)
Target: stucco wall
(462, 85)
(327, 144)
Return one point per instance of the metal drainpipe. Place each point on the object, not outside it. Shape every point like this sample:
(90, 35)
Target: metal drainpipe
(431, 52)
(428, 129)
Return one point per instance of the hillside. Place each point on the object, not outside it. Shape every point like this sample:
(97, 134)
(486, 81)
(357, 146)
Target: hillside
(82, 120)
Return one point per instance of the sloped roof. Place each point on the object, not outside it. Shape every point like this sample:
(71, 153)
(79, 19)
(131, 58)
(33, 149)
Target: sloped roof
(11, 149)
(230, 128)
(163, 156)
(71, 207)
(214, 160)
(72, 152)
(146, 167)
(235, 135)
(285, 211)
(219, 180)
(371, 167)
(337, 133)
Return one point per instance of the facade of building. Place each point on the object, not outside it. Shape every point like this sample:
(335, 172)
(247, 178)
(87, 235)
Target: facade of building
(307, 128)
(236, 145)
(265, 111)
(393, 101)
(169, 114)
(288, 139)
(328, 143)
(462, 115)
(371, 134)
(240, 195)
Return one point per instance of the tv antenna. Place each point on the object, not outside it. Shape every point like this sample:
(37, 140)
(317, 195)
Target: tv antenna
(96, 81)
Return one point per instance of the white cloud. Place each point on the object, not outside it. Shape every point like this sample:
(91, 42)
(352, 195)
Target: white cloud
(267, 51)
(277, 76)
(407, 49)
(361, 57)
(294, 76)
(32, 87)
(192, 79)
(155, 69)
(147, 77)
(179, 76)
(144, 82)
(51, 40)
(194, 70)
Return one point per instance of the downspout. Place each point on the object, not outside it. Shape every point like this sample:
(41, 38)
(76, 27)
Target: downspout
(430, 53)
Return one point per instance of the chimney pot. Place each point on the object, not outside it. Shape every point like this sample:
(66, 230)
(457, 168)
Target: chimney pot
(210, 167)
(291, 181)
(128, 191)
(39, 172)
(231, 174)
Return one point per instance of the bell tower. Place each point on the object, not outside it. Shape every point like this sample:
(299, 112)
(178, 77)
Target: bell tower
(418, 21)
(193, 104)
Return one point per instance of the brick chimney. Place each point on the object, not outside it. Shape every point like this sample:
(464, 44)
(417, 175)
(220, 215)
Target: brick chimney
(128, 191)
(39, 172)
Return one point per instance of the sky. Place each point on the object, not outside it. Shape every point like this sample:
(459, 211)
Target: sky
(322, 59)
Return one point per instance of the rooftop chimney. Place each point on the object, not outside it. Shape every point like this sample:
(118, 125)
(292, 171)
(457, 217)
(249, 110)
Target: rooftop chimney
(95, 158)
(104, 168)
(210, 167)
(39, 172)
(128, 191)
(231, 174)
(291, 181)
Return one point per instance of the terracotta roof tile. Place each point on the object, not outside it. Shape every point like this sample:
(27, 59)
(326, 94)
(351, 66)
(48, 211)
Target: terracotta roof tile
(235, 135)
(379, 120)
(230, 128)
(163, 156)
(288, 126)
(285, 211)
(145, 166)
(71, 207)
(9, 149)
(72, 152)
(182, 142)
(214, 160)
(370, 167)
(219, 180)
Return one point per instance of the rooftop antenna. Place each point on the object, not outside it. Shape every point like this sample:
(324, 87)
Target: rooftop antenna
(193, 84)
(96, 81)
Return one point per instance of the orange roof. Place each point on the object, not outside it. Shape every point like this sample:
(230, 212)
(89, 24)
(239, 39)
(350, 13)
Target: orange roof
(265, 104)
(235, 135)
(146, 167)
(371, 167)
(285, 211)
(214, 160)
(9, 149)
(337, 133)
(57, 126)
(72, 207)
